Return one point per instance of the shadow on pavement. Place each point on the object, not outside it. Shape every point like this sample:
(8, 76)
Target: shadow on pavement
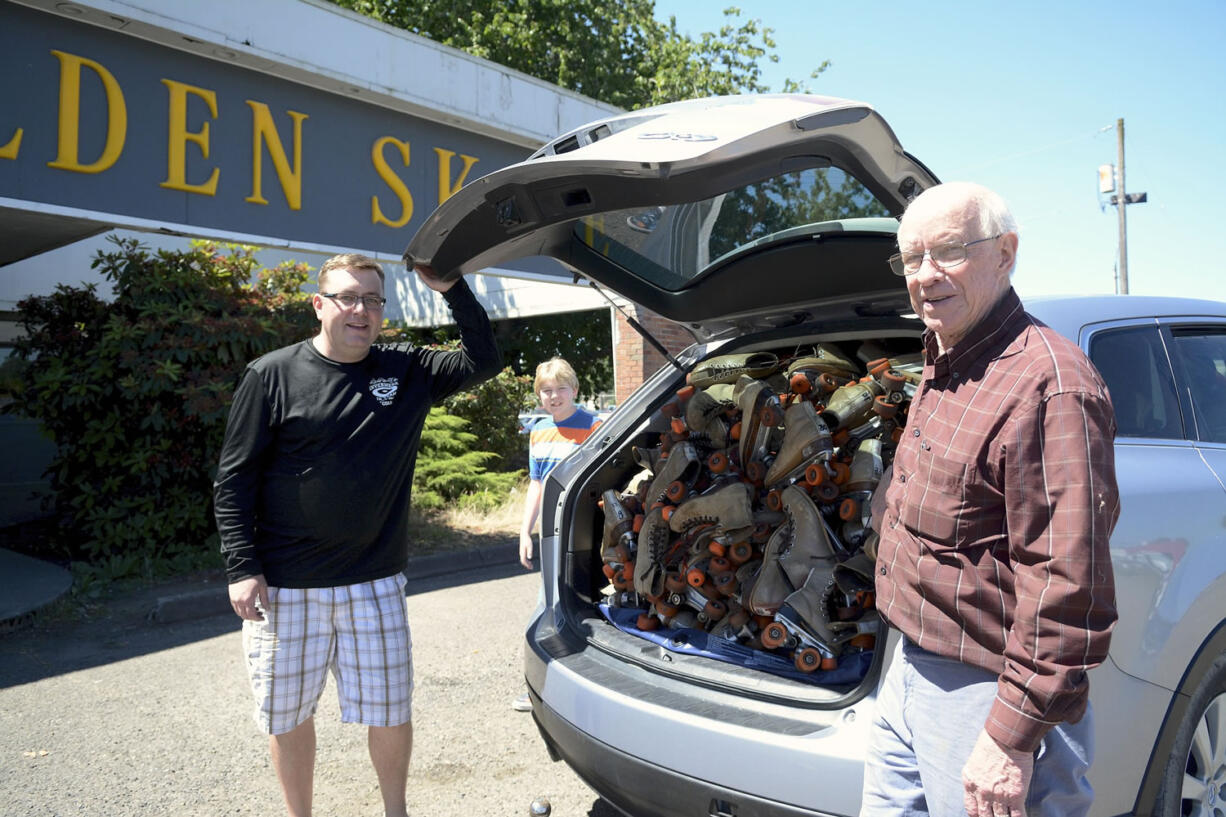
(127, 628)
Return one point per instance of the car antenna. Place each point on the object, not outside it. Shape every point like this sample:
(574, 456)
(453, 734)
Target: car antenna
(635, 325)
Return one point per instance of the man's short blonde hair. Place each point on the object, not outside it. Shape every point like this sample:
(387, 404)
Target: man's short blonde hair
(349, 260)
(555, 370)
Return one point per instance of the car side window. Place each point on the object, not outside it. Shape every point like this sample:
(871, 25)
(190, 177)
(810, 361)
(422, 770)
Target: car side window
(1200, 352)
(1133, 363)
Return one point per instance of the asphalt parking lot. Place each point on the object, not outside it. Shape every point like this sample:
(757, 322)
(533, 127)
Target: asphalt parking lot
(122, 715)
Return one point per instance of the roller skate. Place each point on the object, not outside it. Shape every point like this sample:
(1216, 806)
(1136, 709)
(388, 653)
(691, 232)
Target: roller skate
(805, 440)
(680, 465)
(727, 507)
(729, 368)
(796, 548)
(761, 412)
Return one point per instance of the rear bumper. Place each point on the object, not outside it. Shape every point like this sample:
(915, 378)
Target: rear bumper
(641, 789)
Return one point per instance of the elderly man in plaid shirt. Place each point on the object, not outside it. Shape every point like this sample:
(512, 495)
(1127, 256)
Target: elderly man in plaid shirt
(993, 559)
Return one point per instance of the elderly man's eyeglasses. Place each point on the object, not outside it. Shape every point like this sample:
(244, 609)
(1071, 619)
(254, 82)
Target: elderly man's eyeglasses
(349, 301)
(943, 256)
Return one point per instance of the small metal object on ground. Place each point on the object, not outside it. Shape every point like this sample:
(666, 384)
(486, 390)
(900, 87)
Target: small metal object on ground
(540, 807)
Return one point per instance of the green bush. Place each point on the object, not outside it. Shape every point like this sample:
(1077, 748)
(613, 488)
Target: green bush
(492, 410)
(450, 471)
(134, 392)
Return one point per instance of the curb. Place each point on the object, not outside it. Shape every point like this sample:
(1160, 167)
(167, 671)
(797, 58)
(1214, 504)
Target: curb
(215, 601)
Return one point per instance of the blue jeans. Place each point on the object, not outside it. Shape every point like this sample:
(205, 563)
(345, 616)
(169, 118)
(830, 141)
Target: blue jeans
(929, 714)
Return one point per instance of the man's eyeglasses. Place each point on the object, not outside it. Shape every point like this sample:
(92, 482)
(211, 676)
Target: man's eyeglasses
(943, 256)
(348, 301)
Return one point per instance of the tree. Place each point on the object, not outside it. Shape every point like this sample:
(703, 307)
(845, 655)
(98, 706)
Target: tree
(611, 50)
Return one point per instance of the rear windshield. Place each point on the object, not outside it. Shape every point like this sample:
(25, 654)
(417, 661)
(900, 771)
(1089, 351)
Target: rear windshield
(671, 245)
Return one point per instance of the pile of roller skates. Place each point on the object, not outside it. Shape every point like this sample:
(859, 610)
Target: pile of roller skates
(750, 518)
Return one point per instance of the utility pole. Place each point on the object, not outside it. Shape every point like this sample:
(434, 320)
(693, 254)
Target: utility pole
(1111, 179)
(1121, 207)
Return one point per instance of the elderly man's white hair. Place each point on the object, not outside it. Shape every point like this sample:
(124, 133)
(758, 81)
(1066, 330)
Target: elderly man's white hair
(995, 217)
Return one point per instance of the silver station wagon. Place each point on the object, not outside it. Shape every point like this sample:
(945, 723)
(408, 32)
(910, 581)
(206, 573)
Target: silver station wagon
(708, 643)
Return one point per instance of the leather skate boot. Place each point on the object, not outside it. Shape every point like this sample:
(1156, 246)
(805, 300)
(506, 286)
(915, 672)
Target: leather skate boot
(681, 465)
(729, 368)
(760, 412)
(805, 439)
(707, 413)
(619, 541)
(806, 614)
(797, 549)
(653, 544)
(646, 458)
(851, 406)
(803, 373)
(727, 507)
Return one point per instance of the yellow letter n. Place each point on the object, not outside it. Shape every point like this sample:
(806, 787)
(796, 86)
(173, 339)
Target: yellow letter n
(264, 132)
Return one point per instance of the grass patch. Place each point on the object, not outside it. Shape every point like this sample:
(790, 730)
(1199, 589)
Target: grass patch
(474, 522)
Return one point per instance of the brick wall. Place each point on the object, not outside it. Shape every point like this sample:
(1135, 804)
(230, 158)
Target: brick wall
(634, 359)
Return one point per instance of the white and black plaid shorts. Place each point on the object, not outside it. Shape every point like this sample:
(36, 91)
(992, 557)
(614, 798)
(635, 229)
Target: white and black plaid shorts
(359, 631)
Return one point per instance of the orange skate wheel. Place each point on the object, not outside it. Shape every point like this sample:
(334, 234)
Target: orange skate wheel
(799, 384)
(829, 663)
(646, 622)
(717, 549)
(827, 492)
(807, 659)
(878, 366)
(761, 532)
(675, 491)
(695, 577)
(608, 570)
(637, 525)
(884, 408)
(734, 433)
(774, 635)
(678, 426)
(849, 509)
(666, 610)
(739, 553)
(674, 583)
(666, 512)
(718, 564)
(864, 641)
(725, 583)
(774, 500)
(718, 462)
(892, 381)
(685, 393)
(756, 472)
(715, 610)
(628, 572)
(841, 473)
(815, 474)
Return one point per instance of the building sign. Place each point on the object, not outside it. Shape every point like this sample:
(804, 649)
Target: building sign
(100, 122)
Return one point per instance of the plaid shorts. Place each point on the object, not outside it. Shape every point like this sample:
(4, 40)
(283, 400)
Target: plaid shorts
(359, 631)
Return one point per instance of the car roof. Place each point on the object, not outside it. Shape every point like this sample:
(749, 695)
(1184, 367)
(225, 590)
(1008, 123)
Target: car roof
(1071, 314)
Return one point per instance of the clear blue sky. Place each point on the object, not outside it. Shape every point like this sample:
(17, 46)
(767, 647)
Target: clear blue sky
(1016, 97)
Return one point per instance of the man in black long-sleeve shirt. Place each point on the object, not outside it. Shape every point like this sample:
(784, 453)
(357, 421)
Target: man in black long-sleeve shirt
(312, 500)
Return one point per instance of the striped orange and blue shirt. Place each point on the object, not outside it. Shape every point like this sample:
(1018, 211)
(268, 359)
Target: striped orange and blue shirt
(550, 442)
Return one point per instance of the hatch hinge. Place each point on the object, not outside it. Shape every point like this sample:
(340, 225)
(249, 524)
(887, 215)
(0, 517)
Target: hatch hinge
(635, 325)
